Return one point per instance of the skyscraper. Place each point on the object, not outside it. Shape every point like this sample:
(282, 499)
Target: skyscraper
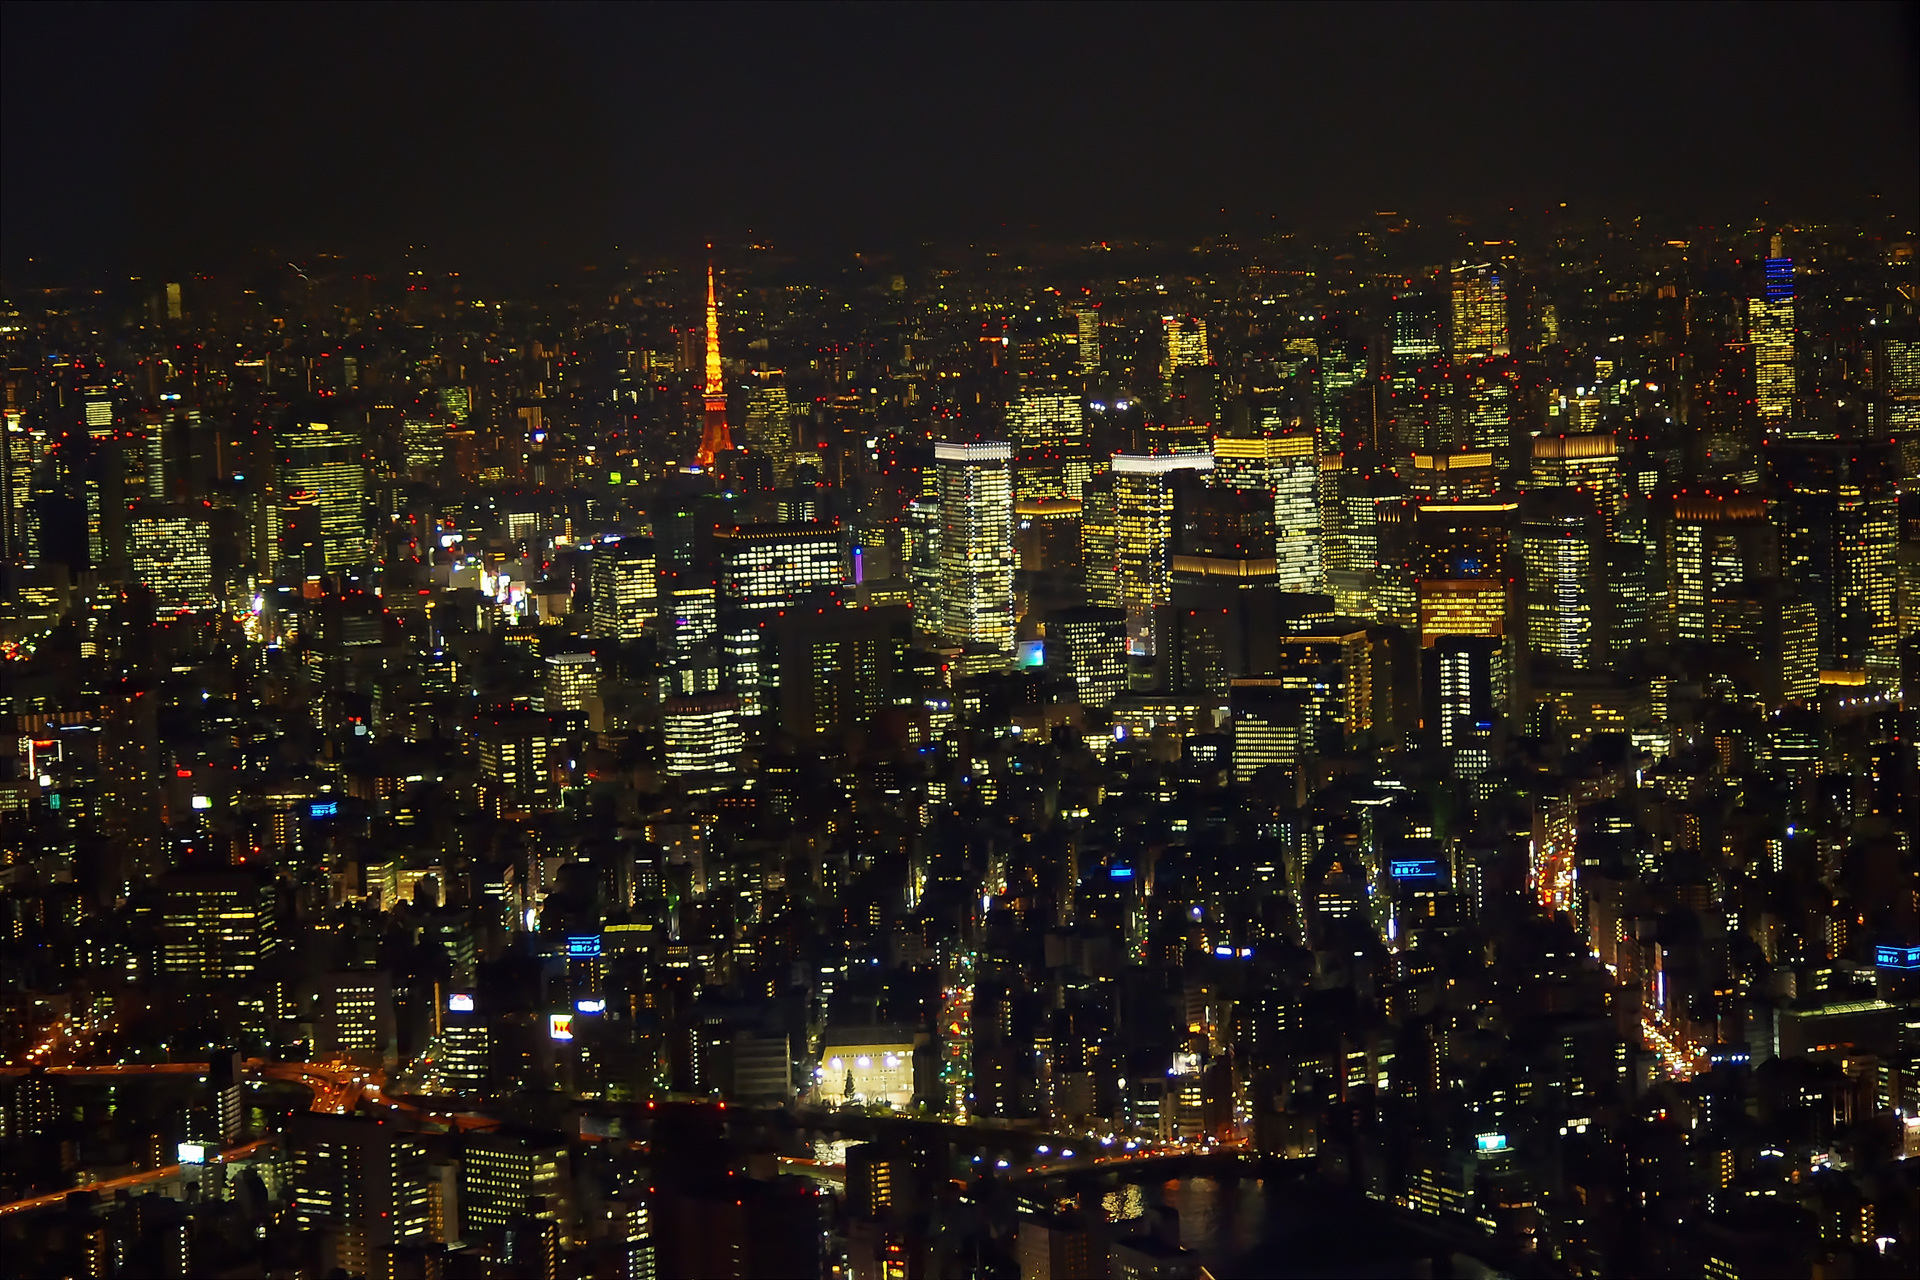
(1560, 553)
(1589, 462)
(1089, 645)
(976, 544)
(1286, 468)
(1838, 514)
(322, 468)
(1711, 539)
(715, 439)
(170, 550)
(1143, 536)
(1086, 323)
(1184, 345)
(624, 581)
(1479, 313)
(1771, 333)
(1050, 437)
(770, 414)
(771, 566)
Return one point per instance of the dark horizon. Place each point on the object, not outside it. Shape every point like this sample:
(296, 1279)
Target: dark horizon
(189, 138)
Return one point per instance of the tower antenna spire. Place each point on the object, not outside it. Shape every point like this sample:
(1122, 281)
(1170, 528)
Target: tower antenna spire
(715, 438)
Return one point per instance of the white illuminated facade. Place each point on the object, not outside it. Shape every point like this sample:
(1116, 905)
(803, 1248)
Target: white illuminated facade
(703, 737)
(867, 1065)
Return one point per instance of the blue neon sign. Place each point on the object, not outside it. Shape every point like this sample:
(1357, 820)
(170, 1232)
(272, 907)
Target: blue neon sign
(1886, 957)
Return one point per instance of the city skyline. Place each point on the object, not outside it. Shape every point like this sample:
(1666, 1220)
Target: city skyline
(878, 643)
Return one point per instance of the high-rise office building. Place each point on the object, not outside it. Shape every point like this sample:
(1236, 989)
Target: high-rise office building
(423, 445)
(1486, 399)
(508, 1176)
(1099, 551)
(572, 679)
(1050, 445)
(1479, 313)
(770, 415)
(1286, 468)
(1590, 462)
(623, 580)
(170, 551)
(216, 926)
(516, 753)
(322, 468)
(1837, 510)
(1183, 346)
(365, 1183)
(1143, 536)
(773, 566)
(921, 538)
(1777, 632)
(1711, 539)
(1086, 326)
(1089, 646)
(835, 666)
(1562, 559)
(702, 737)
(1771, 335)
(976, 544)
(1272, 726)
(1451, 477)
(1462, 607)
(1465, 689)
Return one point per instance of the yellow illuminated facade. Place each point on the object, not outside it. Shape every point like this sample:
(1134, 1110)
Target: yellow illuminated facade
(1771, 332)
(976, 544)
(1479, 313)
(171, 553)
(322, 466)
(1286, 467)
(1143, 536)
(1462, 607)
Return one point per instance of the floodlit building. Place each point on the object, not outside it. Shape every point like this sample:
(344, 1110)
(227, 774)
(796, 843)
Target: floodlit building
(976, 544)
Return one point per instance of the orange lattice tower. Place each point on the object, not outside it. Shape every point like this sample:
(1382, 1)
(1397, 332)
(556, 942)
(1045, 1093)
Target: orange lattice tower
(715, 439)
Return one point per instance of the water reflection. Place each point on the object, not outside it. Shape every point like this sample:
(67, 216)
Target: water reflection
(1244, 1228)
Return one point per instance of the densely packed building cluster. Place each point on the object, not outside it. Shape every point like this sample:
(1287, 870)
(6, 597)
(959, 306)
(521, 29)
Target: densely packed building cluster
(853, 782)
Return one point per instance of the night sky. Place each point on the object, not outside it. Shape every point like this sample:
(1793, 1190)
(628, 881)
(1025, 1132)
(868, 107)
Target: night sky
(171, 138)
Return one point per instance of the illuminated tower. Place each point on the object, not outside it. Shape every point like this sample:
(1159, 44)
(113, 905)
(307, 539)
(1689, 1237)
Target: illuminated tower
(1143, 537)
(1479, 313)
(976, 544)
(1286, 468)
(322, 470)
(1560, 552)
(1770, 332)
(1838, 513)
(714, 436)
